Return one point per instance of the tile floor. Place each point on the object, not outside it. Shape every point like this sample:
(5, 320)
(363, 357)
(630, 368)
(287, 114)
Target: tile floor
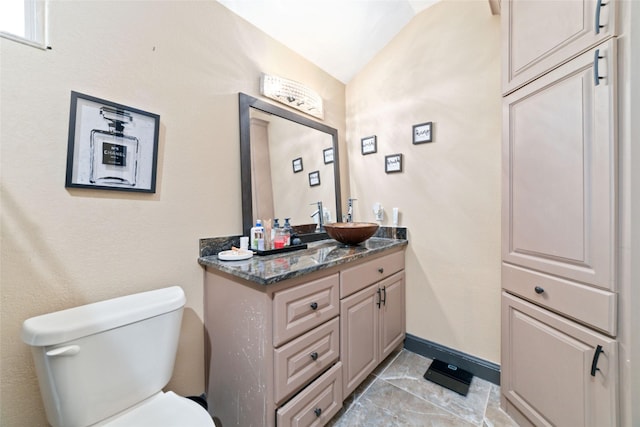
(397, 395)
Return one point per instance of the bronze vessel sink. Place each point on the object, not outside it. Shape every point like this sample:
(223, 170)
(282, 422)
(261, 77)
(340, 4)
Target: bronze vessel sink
(351, 233)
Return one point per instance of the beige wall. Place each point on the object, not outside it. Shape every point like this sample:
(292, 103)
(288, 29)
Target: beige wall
(443, 67)
(183, 60)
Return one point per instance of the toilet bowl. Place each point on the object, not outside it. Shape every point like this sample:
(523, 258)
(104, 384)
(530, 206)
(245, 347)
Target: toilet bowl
(106, 363)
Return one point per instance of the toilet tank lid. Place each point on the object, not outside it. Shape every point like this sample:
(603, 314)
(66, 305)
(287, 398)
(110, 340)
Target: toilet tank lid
(66, 325)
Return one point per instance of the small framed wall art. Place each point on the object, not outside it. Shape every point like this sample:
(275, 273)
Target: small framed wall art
(297, 165)
(423, 133)
(314, 178)
(111, 146)
(328, 155)
(369, 145)
(393, 163)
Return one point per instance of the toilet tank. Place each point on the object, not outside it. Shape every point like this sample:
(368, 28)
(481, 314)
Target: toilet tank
(96, 360)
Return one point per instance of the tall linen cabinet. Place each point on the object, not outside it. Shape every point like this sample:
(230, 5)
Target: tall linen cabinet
(559, 300)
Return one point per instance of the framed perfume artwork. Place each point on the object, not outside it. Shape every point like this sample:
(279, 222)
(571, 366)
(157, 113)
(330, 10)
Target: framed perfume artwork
(393, 163)
(314, 178)
(328, 155)
(111, 146)
(369, 145)
(422, 133)
(297, 165)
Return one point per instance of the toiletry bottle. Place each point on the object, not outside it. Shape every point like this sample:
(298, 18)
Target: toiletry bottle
(287, 231)
(114, 154)
(274, 229)
(266, 235)
(257, 235)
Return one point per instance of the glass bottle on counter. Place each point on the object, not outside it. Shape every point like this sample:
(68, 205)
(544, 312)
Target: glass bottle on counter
(288, 231)
(274, 230)
(280, 238)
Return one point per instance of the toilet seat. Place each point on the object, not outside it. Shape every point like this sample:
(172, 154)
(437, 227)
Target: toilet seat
(162, 410)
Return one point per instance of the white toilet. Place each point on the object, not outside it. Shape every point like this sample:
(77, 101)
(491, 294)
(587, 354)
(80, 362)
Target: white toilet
(105, 364)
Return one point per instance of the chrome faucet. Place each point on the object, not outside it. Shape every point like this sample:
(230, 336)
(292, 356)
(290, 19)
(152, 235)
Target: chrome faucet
(320, 213)
(350, 209)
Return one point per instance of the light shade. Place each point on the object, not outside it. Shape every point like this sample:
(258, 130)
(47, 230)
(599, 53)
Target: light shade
(293, 94)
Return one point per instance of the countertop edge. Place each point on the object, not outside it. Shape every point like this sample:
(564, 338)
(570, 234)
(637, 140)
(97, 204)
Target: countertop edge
(267, 263)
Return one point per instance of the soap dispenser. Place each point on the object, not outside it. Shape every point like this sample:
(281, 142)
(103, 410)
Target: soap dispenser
(274, 229)
(288, 231)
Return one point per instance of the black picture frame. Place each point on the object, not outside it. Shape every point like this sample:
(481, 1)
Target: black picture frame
(327, 154)
(297, 165)
(393, 163)
(314, 178)
(423, 133)
(369, 145)
(105, 152)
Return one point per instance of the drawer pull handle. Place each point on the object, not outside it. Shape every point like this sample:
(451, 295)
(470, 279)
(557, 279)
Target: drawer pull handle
(594, 362)
(379, 298)
(384, 295)
(599, 6)
(314, 306)
(381, 270)
(596, 72)
(317, 411)
(314, 355)
(539, 290)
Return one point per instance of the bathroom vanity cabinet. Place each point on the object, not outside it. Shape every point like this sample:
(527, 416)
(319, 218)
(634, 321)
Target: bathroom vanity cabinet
(372, 316)
(288, 352)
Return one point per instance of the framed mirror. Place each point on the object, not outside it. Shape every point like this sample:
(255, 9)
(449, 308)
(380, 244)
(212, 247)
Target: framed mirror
(288, 163)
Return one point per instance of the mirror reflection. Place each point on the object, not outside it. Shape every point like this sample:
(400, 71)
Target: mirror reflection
(288, 169)
(289, 163)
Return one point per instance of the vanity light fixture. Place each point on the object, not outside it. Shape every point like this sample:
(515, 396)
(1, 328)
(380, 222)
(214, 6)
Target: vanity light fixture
(293, 94)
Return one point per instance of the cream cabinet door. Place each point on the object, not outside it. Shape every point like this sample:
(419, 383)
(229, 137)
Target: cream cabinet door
(559, 168)
(539, 35)
(392, 314)
(554, 371)
(359, 336)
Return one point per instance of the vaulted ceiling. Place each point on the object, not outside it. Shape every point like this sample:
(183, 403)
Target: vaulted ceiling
(339, 36)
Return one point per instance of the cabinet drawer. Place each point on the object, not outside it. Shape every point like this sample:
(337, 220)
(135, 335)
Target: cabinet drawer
(316, 404)
(359, 277)
(588, 305)
(303, 307)
(302, 359)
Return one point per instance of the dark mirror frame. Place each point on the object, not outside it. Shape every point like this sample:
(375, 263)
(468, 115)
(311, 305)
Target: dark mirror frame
(246, 102)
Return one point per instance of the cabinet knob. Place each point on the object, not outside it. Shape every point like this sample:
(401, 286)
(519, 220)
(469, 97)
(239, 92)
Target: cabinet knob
(538, 290)
(317, 411)
(381, 270)
(314, 306)
(314, 355)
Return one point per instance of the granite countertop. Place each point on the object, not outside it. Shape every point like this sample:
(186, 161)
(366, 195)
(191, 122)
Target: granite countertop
(323, 254)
